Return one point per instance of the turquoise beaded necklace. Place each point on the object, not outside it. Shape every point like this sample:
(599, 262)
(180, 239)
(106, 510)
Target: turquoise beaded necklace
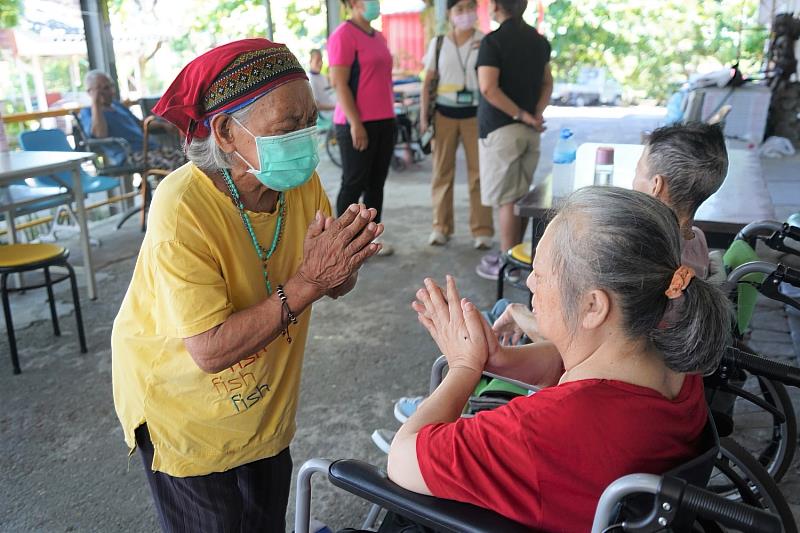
(264, 255)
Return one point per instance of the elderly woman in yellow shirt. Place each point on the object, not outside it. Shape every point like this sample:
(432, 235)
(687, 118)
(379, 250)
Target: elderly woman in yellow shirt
(208, 345)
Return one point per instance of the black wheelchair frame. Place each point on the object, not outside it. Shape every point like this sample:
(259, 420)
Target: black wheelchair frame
(675, 500)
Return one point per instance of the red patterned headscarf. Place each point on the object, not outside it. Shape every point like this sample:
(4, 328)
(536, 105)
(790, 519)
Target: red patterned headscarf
(226, 78)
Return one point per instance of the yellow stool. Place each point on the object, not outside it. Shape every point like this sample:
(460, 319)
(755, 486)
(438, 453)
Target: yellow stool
(519, 257)
(18, 258)
(522, 253)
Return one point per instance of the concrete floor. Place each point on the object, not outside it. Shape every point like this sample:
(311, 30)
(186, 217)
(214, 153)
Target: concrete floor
(63, 463)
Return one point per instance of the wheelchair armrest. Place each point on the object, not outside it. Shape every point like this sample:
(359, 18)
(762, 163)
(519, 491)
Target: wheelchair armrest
(439, 366)
(674, 497)
(370, 483)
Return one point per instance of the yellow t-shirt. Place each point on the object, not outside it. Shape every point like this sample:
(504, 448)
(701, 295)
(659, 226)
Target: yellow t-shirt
(196, 267)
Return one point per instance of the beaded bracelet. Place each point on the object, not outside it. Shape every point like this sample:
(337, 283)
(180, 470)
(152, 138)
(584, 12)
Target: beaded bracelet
(290, 317)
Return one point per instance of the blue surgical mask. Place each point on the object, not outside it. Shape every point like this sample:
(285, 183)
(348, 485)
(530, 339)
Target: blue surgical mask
(372, 9)
(286, 161)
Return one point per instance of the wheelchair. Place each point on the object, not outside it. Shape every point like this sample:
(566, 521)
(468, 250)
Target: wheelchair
(748, 392)
(676, 501)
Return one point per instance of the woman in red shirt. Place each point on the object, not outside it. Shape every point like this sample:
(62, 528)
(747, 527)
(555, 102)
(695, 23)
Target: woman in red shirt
(622, 390)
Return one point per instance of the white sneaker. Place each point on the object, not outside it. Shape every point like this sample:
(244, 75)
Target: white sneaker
(482, 242)
(383, 439)
(437, 238)
(386, 249)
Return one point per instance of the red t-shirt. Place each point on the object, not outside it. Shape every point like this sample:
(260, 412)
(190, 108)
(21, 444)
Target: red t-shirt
(544, 460)
(370, 62)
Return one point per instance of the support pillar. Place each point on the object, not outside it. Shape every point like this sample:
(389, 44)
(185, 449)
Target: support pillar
(334, 11)
(441, 16)
(270, 28)
(99, 43)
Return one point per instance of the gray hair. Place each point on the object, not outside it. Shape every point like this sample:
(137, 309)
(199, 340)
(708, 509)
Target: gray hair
(628, 243)
(93, 75)
(206, 153)
(693, 161)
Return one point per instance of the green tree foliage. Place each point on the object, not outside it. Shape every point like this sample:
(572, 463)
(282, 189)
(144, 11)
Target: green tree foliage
(650, 47)
(9, 13)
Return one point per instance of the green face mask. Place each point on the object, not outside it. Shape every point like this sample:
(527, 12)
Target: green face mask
(285, 161)
(372, 9)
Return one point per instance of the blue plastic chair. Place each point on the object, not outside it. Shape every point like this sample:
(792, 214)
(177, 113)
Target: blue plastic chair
(56, 141)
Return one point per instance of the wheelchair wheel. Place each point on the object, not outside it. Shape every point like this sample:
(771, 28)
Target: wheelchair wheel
(756, 412)
(738, 476)
(769, 435)
(332, 148)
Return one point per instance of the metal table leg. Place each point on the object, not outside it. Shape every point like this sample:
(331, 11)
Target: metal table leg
(86, 247)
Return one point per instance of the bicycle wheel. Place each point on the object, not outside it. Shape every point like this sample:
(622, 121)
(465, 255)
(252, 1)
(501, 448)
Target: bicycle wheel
(332, 147)
(739, 477)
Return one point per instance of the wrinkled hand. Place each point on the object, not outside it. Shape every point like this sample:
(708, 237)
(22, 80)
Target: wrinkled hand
(334, 249)
(506, 328)
(455, 325)
(359, 135)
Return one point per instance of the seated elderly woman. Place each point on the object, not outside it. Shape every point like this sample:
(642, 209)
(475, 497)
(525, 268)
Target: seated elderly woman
(622, 389)
(108, 117)
(208, 345)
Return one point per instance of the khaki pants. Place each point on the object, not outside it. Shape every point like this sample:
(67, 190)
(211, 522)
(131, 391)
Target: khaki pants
(448, 133)
(508, 156)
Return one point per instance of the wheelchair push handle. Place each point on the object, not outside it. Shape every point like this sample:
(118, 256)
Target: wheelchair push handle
(779, 273)
(761, 366)
(731, 514)
(793, 232)
(753, 267)
(771, 233)
(792, 276)
(752, 230)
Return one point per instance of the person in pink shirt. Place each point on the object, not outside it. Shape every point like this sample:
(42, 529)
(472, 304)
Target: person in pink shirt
(364, 122)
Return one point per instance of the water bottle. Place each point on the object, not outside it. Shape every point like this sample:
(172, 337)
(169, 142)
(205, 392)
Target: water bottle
(604, 166)
(564, 164)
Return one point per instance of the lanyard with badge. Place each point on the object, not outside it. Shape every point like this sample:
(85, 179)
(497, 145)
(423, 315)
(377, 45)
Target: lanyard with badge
(465, 96)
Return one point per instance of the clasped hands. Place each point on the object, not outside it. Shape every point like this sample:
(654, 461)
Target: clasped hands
(334, 249)
(456, 325)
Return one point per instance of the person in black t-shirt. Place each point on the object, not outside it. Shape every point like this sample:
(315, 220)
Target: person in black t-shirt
(515, 85)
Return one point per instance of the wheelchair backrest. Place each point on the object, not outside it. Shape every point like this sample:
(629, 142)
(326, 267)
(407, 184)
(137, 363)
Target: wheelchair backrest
(745, 294)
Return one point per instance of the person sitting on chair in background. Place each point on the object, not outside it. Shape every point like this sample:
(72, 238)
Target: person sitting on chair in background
(619, 309)
(321, 87)
(108, 117)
